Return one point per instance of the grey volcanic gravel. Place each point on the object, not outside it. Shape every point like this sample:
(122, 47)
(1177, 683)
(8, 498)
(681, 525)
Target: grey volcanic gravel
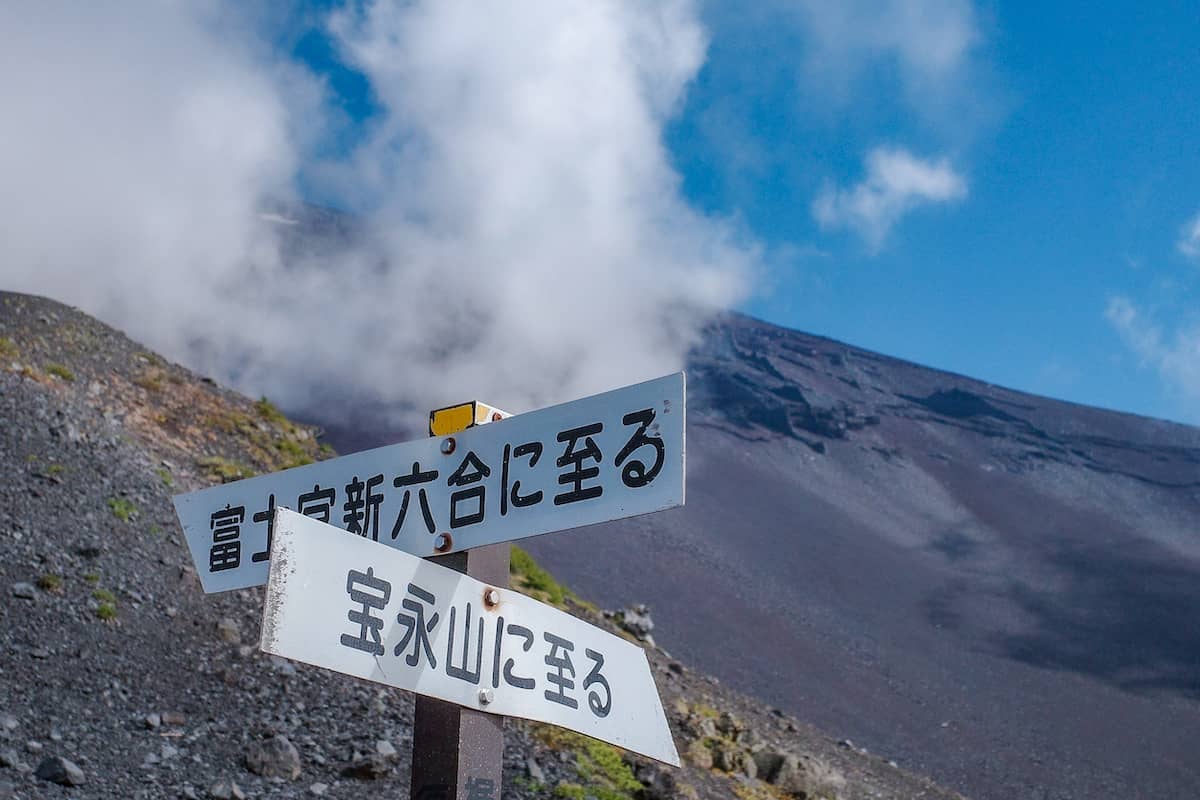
(112, 658)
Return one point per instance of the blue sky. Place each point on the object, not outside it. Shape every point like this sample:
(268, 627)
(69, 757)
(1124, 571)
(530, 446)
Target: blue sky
(1075, 129)
(1056, 259)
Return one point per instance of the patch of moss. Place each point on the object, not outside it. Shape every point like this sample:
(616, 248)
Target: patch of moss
(528, 574)
(8, 348)
(122, 508)
(294, 455)
(60, 371)
(225, 469)
(165, 476)
(55, 469)
(270, 412)
(151, 380)
(603, 772)
(92, 577)
(106, 611)
(49, 583)
(104, 596)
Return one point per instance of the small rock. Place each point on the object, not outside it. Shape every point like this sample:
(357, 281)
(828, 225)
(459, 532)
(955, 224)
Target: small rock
(274, 758)
(188, 792)
(8, 722)
(228, 630)
(699, 755)
(318, 789)
(34, 746)
(89, 549)
(637, 621)
(175, 718)
(368, 767)
(23, 590)
(152, 721)
(386, 749)
(226, 790)
(57, 769)
(728, 724)
(534, 770)
(749, 740)
(9, 759)
(706, 727)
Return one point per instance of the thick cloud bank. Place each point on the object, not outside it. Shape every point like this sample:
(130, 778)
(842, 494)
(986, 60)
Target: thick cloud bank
(521, 233)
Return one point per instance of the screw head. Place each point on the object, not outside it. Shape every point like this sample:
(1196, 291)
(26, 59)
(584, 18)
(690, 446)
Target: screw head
(442, 542)
(448, 445)
(491, 597)
(486, 696)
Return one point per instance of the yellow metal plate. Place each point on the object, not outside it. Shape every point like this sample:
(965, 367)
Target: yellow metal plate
(452, 419)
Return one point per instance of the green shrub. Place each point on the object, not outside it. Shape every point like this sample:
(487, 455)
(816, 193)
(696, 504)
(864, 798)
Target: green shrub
(60, 371)
(122, 508)
(50, 583)
(529, 575)
(225, 469)
(604, 773)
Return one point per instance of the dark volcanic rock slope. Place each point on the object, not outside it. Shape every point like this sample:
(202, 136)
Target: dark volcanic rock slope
(999, 589)
(120, 679)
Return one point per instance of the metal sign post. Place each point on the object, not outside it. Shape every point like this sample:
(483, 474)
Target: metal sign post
(458, 753)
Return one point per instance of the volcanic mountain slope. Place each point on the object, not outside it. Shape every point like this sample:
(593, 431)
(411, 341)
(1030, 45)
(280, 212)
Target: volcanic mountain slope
(998, 589)
(112, 659)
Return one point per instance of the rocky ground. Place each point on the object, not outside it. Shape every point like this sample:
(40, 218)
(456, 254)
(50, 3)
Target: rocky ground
(119, 678)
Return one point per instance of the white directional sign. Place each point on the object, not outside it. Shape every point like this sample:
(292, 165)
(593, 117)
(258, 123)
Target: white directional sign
(604, 457)
(347, 604)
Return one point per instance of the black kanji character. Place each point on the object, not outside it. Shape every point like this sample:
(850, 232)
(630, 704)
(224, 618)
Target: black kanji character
(413, 479)
(594, 677)
(470, 471)
(376, 598)
(480, 789)
(575, 457)
(635, 474)
(561, 665)
(417, 630)
(513, 495)
(362, 507)
(226, 526)
(267, 515)
(464, 673)
(317, 504)
(509, 678)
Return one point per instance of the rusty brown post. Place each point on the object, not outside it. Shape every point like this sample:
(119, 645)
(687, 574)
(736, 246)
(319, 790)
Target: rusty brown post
(458, 753)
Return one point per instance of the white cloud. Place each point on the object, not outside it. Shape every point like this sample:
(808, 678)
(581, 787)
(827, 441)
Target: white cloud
(896, 183)
(527, 240)
(926, 44)
(1175, 357)
(1189, 239)
(928, 38)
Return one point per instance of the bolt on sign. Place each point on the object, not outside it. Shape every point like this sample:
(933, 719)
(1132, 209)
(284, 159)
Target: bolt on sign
(352, 606)
(605, 457)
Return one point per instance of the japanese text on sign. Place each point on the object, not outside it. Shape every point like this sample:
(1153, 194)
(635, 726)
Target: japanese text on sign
(604, 457)
(355, 607)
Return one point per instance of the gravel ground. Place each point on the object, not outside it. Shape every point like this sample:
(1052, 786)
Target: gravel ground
(119, 678)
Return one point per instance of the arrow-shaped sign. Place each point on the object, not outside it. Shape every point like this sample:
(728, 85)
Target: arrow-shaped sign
(604, 457)
(347, 604)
